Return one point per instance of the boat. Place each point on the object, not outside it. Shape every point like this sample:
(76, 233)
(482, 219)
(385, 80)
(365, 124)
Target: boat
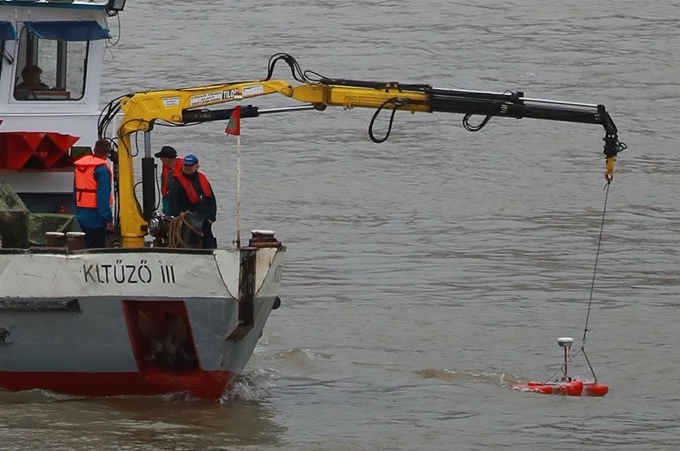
(151, 313)
(117, 321)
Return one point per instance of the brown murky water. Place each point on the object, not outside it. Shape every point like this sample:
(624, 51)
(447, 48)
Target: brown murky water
(428, 273)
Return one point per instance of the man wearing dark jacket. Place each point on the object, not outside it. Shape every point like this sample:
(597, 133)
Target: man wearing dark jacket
(191, 191)
(172, 165)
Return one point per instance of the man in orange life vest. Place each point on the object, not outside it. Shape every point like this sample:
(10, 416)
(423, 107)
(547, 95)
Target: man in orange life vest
(172, 166)
(92, 184)
(191, 191)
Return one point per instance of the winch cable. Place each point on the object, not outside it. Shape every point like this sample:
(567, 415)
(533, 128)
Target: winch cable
(609, 176)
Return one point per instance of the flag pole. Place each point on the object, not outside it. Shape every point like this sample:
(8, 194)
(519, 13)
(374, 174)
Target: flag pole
(238, 191)
(238, 98)
(234, 128)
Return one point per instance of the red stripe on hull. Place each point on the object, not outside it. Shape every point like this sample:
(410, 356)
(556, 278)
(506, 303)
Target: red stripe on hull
(203, 384)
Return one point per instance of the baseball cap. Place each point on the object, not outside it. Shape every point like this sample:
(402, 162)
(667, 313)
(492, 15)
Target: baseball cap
(166, 152)
(190, 160)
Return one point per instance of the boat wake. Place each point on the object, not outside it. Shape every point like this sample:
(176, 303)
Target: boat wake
(298, 355)
(254, 385)
(293, 361)
(462, 376)
(34, 396)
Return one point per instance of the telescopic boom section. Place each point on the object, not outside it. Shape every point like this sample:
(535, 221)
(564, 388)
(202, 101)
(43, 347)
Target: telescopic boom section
(414, 98)
(517, 106)
(185, 106)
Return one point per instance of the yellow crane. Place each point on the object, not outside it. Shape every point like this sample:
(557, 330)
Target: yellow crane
(185, 106)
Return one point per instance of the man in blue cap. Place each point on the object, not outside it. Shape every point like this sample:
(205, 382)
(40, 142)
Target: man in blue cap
(191, 191)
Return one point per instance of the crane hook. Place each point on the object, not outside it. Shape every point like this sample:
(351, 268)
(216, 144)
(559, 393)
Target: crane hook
(609, 173)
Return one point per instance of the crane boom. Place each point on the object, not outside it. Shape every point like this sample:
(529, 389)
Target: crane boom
(187, 106)
(350, 94)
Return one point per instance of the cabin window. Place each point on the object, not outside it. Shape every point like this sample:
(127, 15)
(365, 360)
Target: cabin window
(53, 59)
(50, 69)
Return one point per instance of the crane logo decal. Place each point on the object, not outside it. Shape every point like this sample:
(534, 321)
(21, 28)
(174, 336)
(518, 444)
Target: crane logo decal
(253, 90)
(170, 101)
(202, 99)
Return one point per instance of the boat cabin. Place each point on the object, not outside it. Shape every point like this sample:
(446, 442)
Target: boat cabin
(50, 71)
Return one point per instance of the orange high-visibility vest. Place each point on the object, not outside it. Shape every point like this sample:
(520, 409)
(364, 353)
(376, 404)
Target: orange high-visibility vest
(175, 172)
(189, 188)
(86, 183)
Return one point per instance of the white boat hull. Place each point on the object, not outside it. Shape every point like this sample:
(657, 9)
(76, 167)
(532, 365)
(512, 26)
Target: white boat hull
(75, 322)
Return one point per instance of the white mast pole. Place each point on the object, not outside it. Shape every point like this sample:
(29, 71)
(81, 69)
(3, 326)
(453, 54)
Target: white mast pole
(238, 182)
